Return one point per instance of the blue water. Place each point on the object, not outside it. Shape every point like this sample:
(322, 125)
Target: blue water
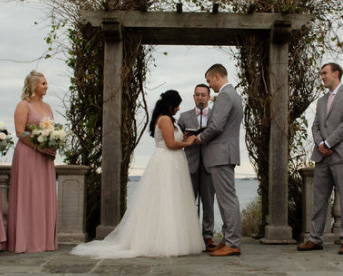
(246, 192)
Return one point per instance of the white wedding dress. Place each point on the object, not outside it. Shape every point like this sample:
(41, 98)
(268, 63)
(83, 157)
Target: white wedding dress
(162, 219)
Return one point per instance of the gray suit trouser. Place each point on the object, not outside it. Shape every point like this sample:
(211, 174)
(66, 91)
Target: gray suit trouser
(325, 178)
(202, 185)
(223, 178)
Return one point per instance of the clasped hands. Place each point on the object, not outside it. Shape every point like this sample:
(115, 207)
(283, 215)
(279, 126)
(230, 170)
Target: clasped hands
(191, 139)
(324, 150)
(50, 153)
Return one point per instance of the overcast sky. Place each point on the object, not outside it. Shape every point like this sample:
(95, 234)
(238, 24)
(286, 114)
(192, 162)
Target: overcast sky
(22, 41)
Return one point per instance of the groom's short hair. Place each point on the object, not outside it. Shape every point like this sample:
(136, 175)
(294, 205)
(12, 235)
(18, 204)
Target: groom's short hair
(334, 67)
(204, 86)
(217, 68)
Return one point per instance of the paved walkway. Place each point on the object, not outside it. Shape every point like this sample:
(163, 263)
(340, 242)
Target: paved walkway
(257, 259)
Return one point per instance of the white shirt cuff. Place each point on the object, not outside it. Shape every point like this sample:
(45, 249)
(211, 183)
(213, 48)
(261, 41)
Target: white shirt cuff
(327, 144)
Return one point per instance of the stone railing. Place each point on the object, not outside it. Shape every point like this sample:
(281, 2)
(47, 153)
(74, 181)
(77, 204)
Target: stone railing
(332, 226)
(71, 200)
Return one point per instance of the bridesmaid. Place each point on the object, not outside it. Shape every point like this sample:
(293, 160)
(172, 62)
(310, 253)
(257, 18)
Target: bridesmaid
(32, 208)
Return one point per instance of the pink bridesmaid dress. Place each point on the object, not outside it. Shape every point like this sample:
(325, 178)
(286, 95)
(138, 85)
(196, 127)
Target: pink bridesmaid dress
(2, 229)
(32, 211)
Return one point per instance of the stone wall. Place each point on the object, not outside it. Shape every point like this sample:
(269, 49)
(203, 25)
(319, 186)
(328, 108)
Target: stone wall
(70, 181)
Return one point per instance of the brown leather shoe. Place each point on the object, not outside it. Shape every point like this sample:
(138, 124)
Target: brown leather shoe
(340, 251)
(210, 246)
(226, 251)
(220, 245)
(308, 246)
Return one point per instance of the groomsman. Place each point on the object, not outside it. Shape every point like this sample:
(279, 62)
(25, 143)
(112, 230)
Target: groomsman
(201, 179)
(327, 133)
(221, 155)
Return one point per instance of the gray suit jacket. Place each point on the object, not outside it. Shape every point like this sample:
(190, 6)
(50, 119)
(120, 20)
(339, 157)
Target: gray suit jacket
(188, 119)
(222, 132)
(329, 127)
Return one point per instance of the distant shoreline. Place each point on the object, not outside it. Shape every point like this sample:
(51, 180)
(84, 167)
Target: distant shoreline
(137, 178)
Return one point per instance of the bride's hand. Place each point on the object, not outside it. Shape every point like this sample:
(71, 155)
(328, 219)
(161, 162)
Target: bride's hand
(190, 139)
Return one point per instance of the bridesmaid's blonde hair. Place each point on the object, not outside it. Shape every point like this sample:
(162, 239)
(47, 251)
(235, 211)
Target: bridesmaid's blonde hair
(30, 85)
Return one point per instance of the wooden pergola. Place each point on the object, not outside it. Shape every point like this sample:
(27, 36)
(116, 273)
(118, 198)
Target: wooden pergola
(178, 28)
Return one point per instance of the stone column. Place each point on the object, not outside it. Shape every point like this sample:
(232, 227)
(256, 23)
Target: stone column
(278, 231)
(307, 207)
(111, 140)
(71, 203)
(307, 201)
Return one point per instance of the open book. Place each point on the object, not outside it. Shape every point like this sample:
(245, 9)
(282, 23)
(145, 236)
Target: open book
(193, 131)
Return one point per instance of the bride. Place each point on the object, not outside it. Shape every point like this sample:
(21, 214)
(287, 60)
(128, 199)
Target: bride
(162, 219)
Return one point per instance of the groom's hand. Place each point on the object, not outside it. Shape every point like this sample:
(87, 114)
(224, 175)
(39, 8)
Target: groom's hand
(324, 150)
(197, 140)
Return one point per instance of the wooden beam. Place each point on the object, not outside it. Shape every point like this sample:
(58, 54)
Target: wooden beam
(215, 8)
(281, 32)
(179, 7)
(191, 28)
(194, 20)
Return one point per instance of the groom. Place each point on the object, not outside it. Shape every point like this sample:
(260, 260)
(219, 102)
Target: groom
(201, 179)
(221, 155)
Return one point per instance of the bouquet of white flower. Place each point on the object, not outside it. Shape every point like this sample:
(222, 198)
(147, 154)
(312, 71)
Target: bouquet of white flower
(6, 140)
(47, 134)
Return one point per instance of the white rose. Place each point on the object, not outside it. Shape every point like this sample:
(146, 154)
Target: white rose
(46, 132)
(98, 170)
(2, 126)
(3, 136)
(41, 139)
(36, 132)
(54, 134)
(62, 134)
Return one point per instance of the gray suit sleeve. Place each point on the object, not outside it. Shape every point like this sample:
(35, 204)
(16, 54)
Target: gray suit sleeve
(317, 137)
(335, 137)
(181, 122)
(220, 114)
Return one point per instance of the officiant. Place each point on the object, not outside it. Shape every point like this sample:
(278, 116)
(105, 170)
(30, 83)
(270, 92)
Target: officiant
(193, 120)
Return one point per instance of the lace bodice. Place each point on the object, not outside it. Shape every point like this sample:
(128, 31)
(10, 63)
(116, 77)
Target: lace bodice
(159, 141)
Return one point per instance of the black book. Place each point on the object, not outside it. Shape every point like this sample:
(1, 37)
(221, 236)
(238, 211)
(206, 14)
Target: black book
(193, 131)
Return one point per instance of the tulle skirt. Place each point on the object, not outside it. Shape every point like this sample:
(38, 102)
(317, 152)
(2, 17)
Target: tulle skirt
(162, 219)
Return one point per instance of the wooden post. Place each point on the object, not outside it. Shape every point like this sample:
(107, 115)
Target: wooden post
(278, 231)
(111, 140)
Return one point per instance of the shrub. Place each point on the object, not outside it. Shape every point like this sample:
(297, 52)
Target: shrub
(251, 218)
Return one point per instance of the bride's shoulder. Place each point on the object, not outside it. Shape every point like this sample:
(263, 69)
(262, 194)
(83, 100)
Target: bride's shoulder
(164, 122)
(163, 119)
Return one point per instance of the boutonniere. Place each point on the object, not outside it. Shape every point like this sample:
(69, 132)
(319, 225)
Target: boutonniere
(213, 98)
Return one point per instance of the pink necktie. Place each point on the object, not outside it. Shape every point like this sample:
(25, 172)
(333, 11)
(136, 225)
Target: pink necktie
(330, 100)
(204, 111)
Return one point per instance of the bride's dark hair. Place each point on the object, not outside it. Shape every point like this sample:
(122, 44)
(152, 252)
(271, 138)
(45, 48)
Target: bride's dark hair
(168, 101)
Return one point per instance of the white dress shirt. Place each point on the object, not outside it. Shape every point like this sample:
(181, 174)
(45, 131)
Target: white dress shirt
(204, 118)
